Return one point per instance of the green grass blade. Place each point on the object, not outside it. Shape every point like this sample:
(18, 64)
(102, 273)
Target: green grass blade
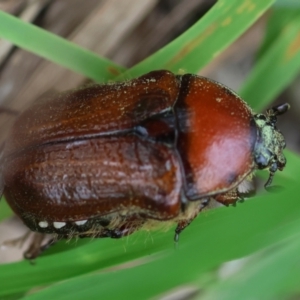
(287, 3)
(152, 264)
(56, 49)
(279, 19)
(225, 22)
(271, 274)
(278, 65)
(293, 166)
(5, 210)
(215, 237)
(212, 231)
(191, 51)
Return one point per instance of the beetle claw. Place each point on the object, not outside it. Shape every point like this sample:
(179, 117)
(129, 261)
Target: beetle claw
(176, 237)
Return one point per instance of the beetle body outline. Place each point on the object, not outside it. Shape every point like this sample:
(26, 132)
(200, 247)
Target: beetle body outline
(104, 160)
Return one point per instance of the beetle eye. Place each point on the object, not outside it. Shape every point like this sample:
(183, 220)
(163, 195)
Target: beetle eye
(261, 162)
(273, 167)
(263, 159)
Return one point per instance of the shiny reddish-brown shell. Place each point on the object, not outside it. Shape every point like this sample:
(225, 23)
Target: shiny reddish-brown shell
(217, 139)
(137, 146)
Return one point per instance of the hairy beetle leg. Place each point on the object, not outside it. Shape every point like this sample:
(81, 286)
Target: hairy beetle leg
(38, 246)
(181, 225)
(228, 198)
(125, 227)
(38, 243)
(17, 242)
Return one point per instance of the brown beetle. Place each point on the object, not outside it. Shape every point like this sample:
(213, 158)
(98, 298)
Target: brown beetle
(106, 160)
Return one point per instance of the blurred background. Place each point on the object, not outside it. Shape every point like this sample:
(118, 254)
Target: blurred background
(125, 32)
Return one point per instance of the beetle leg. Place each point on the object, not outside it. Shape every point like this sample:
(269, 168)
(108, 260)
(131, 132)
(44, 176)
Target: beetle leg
(36, 247)
(38, 243)
(231, 197)
(190, 216)
(127, 228)
(17, 241)
(112, 233)
(180, 226)
(124, 228)
(228, 198)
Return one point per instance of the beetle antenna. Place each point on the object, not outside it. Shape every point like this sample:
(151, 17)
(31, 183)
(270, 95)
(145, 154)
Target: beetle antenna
(279, 109)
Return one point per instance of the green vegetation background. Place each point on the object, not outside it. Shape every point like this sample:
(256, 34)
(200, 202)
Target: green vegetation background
(265, 230)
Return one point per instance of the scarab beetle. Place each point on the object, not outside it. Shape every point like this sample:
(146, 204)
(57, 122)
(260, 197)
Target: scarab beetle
(106, 160)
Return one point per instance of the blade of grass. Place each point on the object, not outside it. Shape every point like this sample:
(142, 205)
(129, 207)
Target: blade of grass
(191, 51)
(56, 49)
(220, 224)
(293, 166)
(217, 236)
(276, 68)
(209, 36)
(279, 19)
(269, 274)
(5, 210)
(70, 263)
(287, 3)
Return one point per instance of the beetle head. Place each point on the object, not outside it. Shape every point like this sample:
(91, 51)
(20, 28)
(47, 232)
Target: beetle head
(270, 141)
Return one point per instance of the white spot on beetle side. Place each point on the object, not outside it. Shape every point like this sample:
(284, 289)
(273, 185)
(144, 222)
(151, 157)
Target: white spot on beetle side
(59, 225)
(168, 165)
(43, 224)
(80, 223)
